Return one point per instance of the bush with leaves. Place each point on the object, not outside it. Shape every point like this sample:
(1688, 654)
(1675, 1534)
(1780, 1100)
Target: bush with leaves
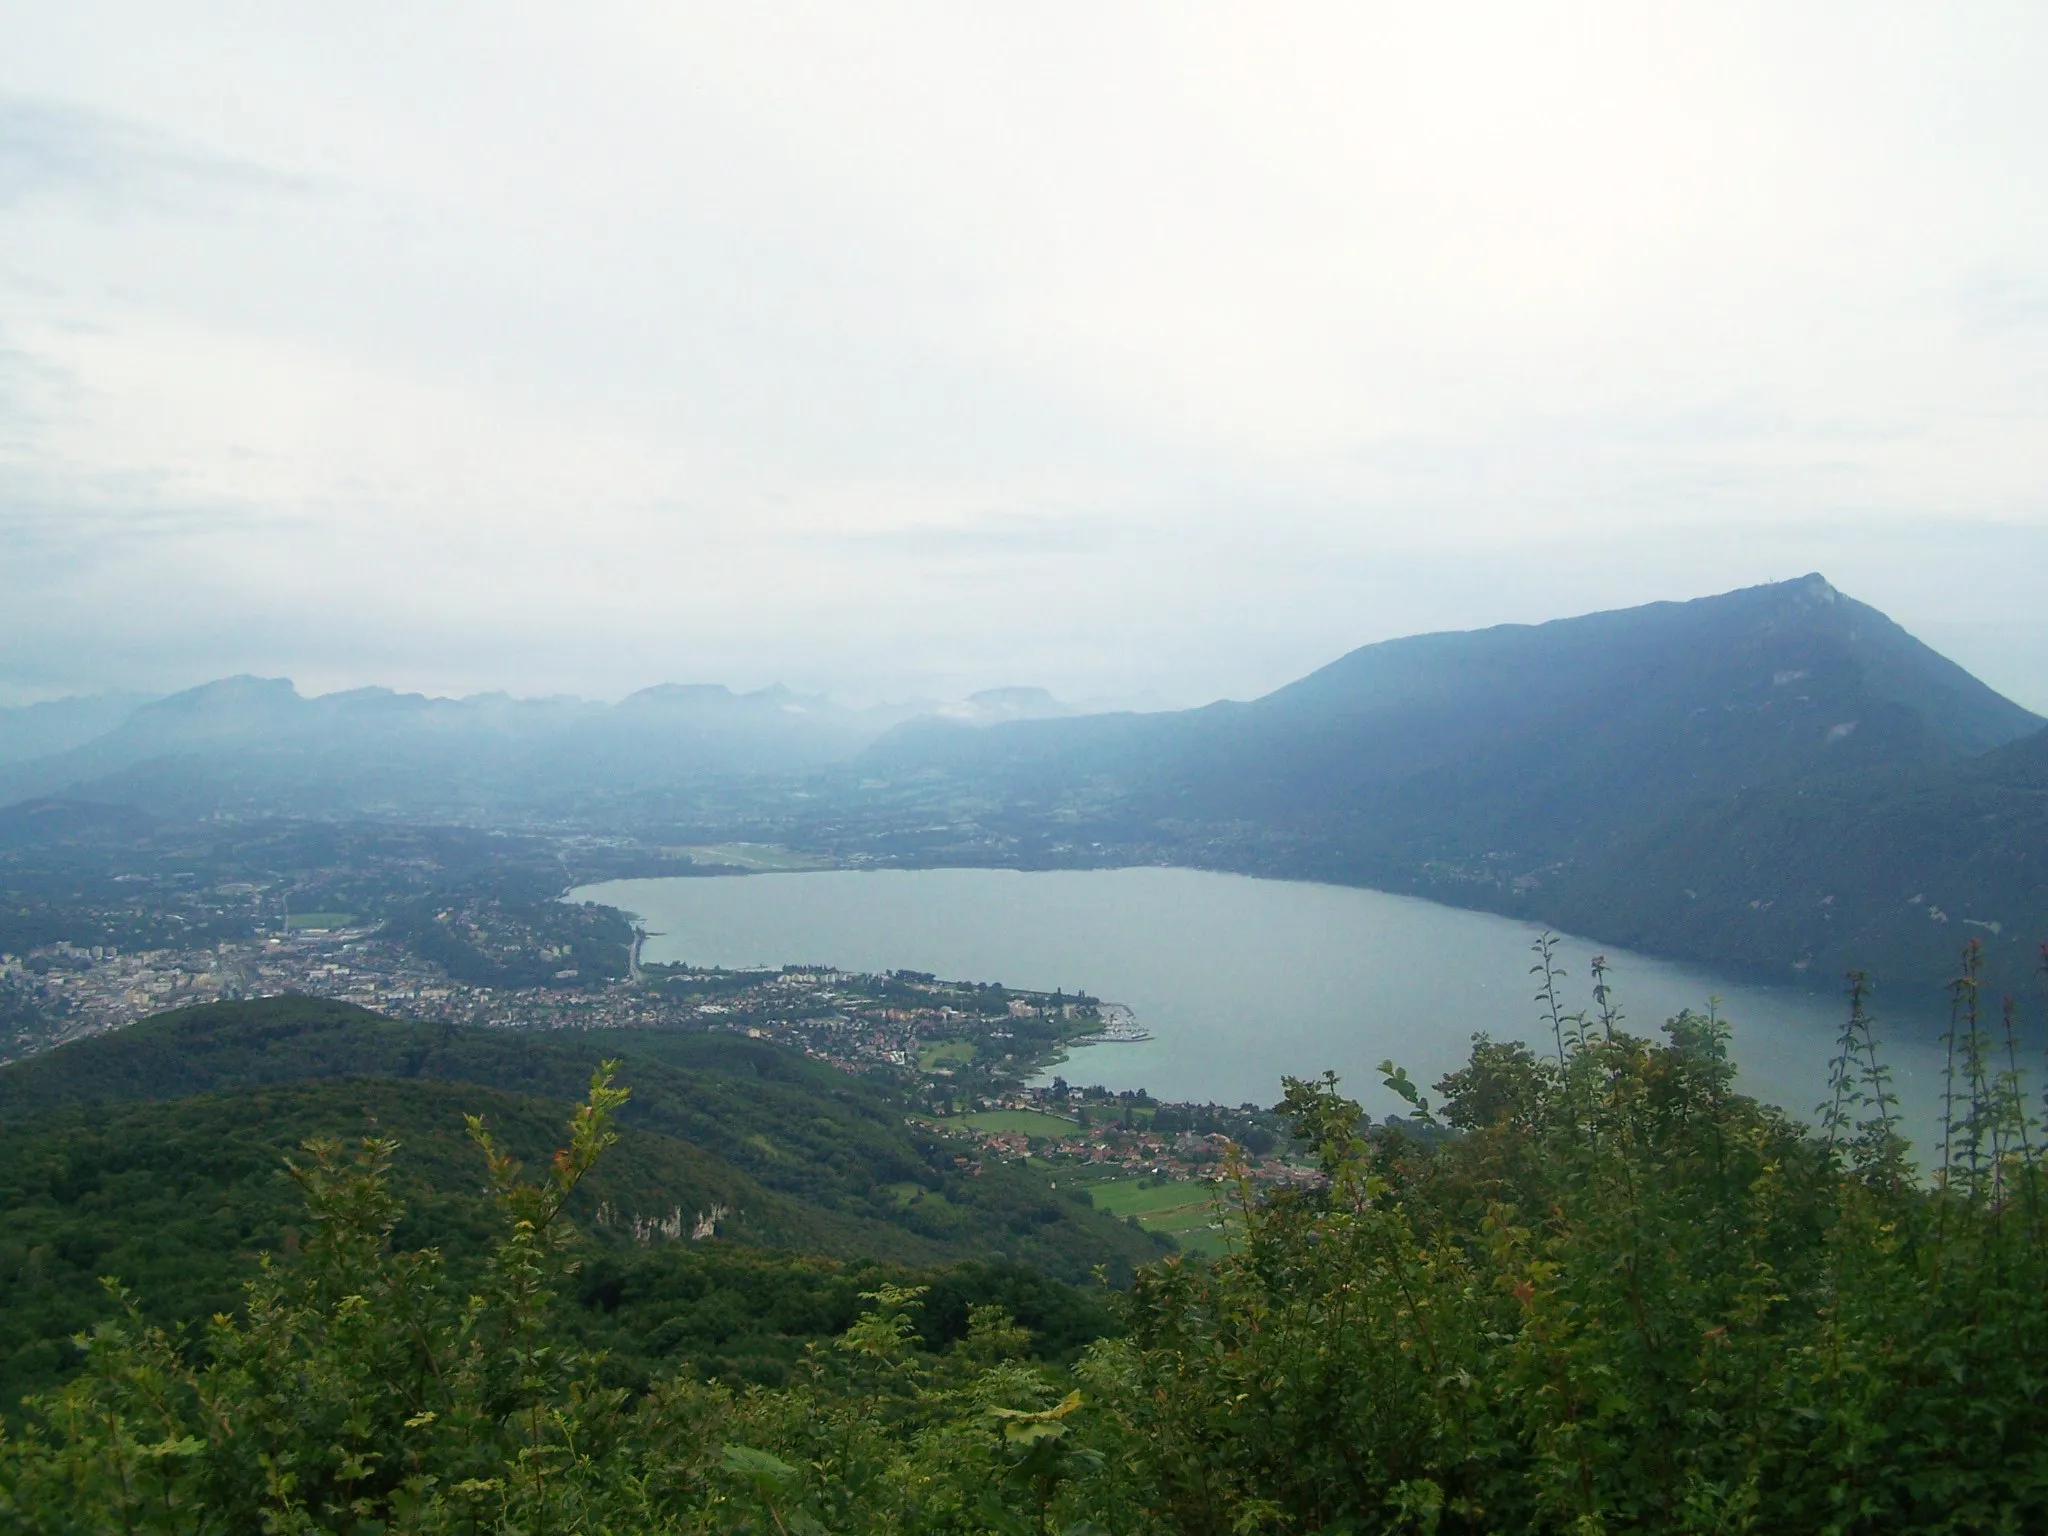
(359, 1390)
(1609, 1293)
(1591, 1290)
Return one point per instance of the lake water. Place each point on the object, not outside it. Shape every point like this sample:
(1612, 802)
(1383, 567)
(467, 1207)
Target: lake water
(1239, 980)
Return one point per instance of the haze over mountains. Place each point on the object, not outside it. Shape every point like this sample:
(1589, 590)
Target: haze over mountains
(258, 741)
(1777, 778)
(41, 730)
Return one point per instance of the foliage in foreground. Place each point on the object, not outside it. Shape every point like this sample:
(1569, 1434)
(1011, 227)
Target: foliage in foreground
(1604, 1293)
(839, 1166)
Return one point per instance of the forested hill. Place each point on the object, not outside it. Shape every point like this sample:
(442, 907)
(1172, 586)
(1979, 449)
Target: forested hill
(155, 1153)
(1547, 770)
(1594, 1290)
(1886, 871)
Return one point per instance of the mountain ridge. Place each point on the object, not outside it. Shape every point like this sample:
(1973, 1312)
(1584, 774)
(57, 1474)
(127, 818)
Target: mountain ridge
(1530, 769)
(248, 738)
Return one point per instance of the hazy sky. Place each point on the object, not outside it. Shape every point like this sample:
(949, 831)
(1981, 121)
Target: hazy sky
(892, 349)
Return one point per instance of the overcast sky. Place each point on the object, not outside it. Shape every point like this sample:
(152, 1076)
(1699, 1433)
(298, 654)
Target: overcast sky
(900, 350)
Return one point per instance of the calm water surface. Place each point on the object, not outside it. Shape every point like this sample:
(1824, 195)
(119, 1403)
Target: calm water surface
(1239, 980)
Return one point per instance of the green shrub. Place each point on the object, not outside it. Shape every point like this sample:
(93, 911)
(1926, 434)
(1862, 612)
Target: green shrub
(1593, 1290)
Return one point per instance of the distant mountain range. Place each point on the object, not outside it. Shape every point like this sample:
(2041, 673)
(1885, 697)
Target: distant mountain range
(257, 737)
(41, 730)
(257, 742)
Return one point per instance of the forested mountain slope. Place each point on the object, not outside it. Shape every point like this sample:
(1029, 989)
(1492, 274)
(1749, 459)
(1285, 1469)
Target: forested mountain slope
(1887, 871)
(154, 1154)
(799, 1128)
(1535, 769)
(1525, 738)
(175, 1197)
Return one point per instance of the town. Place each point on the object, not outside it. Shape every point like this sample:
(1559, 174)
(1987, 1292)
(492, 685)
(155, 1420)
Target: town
(902, 1020)
(976, 1055)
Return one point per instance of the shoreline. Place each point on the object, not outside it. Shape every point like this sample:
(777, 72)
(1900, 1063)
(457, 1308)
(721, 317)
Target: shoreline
(1739, 972)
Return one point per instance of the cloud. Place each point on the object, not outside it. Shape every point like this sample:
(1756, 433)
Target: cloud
(994, 535)
(921, 347)
(2004, 304)
(56, 149)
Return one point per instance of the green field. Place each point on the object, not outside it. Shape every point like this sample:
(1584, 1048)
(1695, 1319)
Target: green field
(321, 919)
(1030, 1121)
(945, 1053)
(1143, 1197)
(1208, 1243)
(1183, 1212)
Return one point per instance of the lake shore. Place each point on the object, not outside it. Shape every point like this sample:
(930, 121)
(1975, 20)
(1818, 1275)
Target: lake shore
(1240, 980)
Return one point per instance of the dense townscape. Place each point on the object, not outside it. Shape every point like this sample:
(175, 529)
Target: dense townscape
(969, 1045)
(913, 1022)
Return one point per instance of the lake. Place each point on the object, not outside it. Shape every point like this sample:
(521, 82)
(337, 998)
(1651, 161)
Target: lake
(1239, 980)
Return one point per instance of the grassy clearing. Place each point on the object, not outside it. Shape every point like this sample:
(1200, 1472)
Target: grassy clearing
(321, 919)
(945, 1053)
(1030, 1121)
(1187, 1213)
(1209, 1242)
(1143, 1198)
